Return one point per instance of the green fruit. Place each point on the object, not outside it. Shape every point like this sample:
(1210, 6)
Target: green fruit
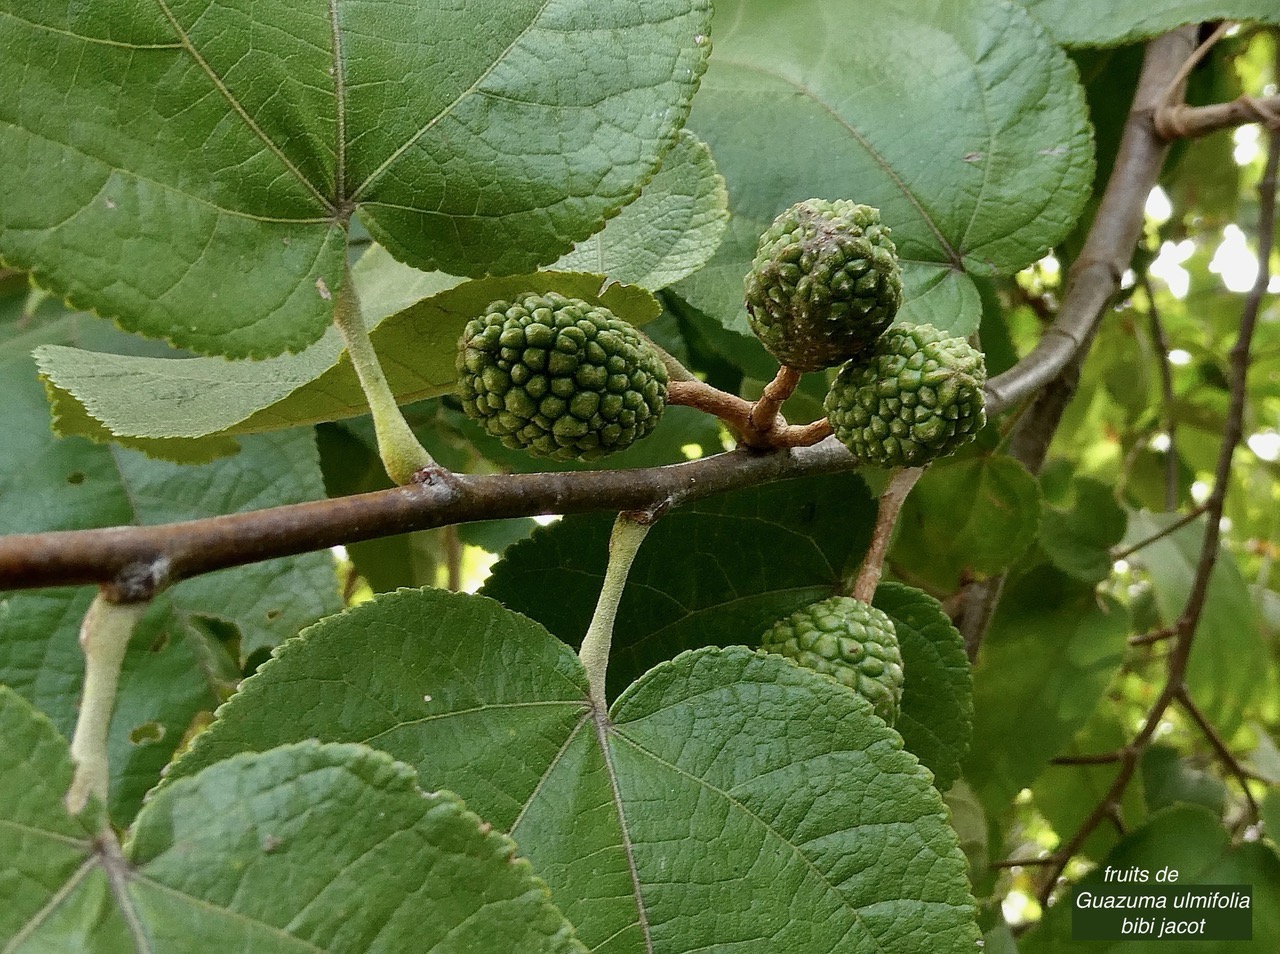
(824, 284)
(559, 377)
(915, 396)
(851, 641)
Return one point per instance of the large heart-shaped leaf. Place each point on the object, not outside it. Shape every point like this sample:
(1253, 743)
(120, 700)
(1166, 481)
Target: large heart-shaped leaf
(189, 408)
(729, 800)
(305, 848)
(209, 154)
(963, 123)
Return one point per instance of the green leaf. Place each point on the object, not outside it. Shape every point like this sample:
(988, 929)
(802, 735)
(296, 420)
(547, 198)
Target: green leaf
(208, 162)
(1190, 840)
(717, 572)
(937, 695)
(1113, 22)
(1271, 815)
(1052, 648)
(41, 846)
(308, 847)
(1078, 539)
(147, 402)
(175, 668)
(1170, 779)
(972, 517)
(728, 800)
(964, 124)
(1229, 651)
(669, 232)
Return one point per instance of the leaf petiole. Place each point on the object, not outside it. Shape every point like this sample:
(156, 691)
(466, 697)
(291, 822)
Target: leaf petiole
(629, 531)
(402, 454)
(104, 637)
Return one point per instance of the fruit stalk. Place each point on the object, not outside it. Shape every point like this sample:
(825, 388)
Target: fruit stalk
(629, 531)
(104, 637)
(402, 454)
(890, 505)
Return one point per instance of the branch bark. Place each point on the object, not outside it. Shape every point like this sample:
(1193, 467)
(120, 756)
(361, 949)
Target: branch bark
(136, 562)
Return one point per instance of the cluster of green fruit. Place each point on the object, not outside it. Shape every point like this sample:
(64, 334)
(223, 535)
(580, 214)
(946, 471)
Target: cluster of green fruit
(565, 379)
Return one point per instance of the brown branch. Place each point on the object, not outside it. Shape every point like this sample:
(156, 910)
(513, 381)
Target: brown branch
(741, 415)
(1157, 636)
(890, 505)
(1051, 371)
(1163, 532)
(1184, 629)
(136, 562)
(1164, 366)
(1192, 122)
(1096, 758)
(1224, 754)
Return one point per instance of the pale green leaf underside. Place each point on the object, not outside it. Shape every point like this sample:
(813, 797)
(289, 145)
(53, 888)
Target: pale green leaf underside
(1113, 22)
(306, 848)
(670, 232)
(187, 167)
(732, 802)
(963, 123)
(148, 402)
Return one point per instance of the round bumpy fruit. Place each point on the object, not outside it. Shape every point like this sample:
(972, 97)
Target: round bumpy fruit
(915, 396)
(559, 377)
(824, 284)
(850, 641)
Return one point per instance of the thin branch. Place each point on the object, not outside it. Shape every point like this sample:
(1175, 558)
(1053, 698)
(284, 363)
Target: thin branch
(1184, 629)
(136, 562)
(890, 505)
(1156, 636)
(1192, 122)
(1163, 532)
(1165, 367)
(764, 413)
(1096, 758)
(1224, 754)
(741, 415)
